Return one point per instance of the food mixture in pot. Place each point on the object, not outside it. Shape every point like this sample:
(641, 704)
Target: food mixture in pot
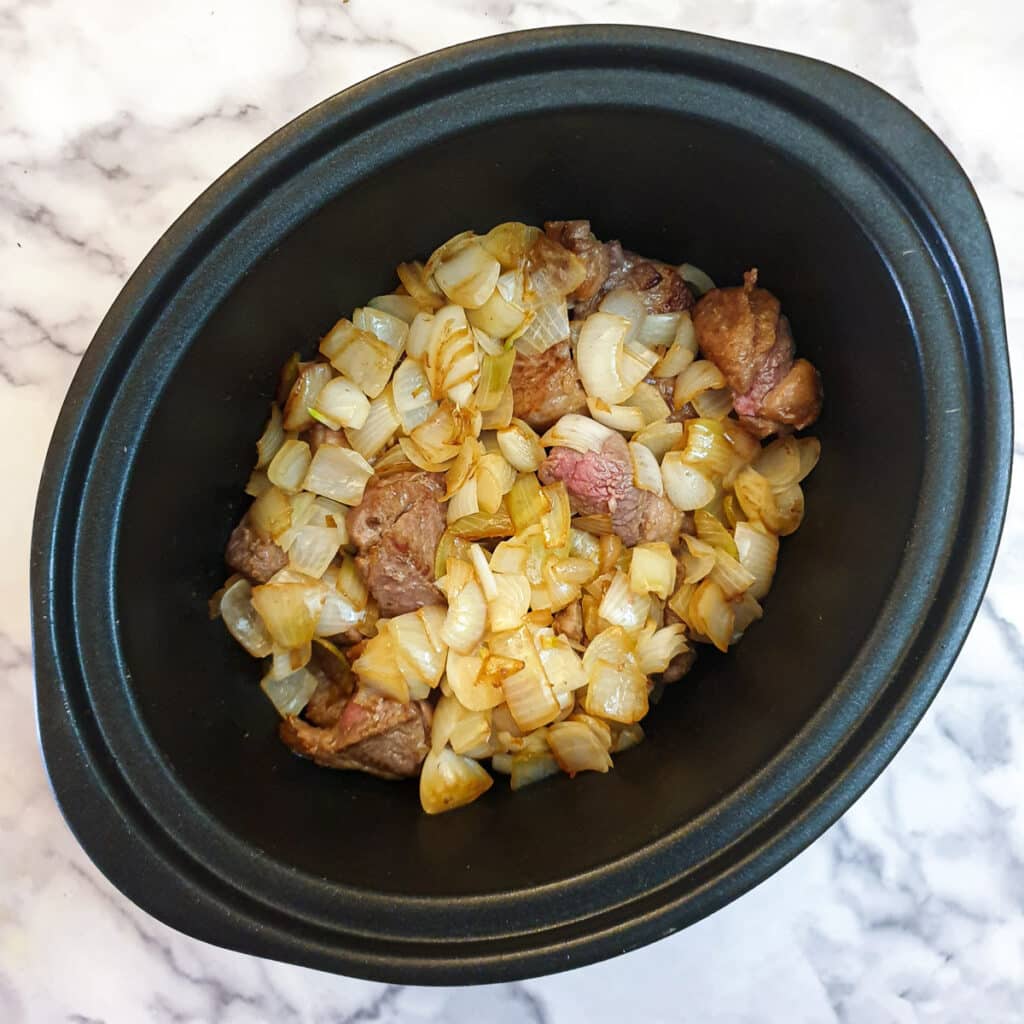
(504, 505)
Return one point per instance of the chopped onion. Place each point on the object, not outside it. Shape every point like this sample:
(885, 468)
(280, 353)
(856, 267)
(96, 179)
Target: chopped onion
(257, 484)
(580, 433)
(341, 404)
(746, 610)
(466, 619)
(660, 437)
(511, 603)
(359, 355)
(411, 389)
(495, 372)
(380, 426)
(420, 653)
(420, 285)
(652, 570)
(649, 400)
(313, 549)
(576, 748)
(697, 377)
(714, 404)
(618, 417)
(271, 513)
(469, 276)
(338, 473)
(500, 416)
(236, 609)
(714, 616)
(554, 272)
(626, 303)
(602, 730)
(659, 329)
(311, 378)
(451, 361)
(482, 526)
(476, 679)
(789, 504)
(626, 736)
(583, 544)
(420, 331)
(288, 467)
(499, 316)
(697, 561)
(392, 329)
(412, 452)
(655, 652)
(405, 307)
(599, 354)
(526, 502)
(463, 467)
(338, 614)
(547, 325)
(271, 439)
(599, 523)
(621, 606)
(509, 243)
(695, 276)
(529, 697)
(448, 781)
(378, 670)
(494, 479)
(463, 502)
(636, 364)
(521, 446)
(290, 694)
(646, 471)
(562, 665)
(758, 554)
(556, 521)
(482, 568)
(731, 576)
(810, 452)
(707, 447)
(529, 767)
(687, 488)
(289, 611)
(284, 662)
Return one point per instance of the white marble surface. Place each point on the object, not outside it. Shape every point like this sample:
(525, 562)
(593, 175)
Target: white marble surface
(113, 116)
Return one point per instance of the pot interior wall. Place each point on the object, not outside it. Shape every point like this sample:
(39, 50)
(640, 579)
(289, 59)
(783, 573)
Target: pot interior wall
(668, 187)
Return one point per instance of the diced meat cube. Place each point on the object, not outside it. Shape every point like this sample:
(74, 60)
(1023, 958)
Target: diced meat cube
(546, 387)
(252, 554)
(397, 527)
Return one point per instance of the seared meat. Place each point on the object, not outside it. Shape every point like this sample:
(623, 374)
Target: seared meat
(397, 527)
(366, 733)
(252, 554)
(602, 482)
(610, 266)
(333, 689)
(546, 387)
(577, 237)
(742, 331)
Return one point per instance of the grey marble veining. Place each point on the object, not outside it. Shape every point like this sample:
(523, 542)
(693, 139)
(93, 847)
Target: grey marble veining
(113, 117)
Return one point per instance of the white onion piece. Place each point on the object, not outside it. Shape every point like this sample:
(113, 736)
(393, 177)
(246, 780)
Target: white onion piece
(660, 437)
(313, 549)
(687, 488)
(618, 417)
(700, 376)
(391, 329)
(290, 694)
(577, 749)
(530, 698)
(284, 662)
(714, 404)
(341, 404)
(547, 326)
(289, 610)
(271, 439)
(626, 303)
(271, 513)
(476, 679)
(511, 603)
(241, 620)
(580, 433)
(646, 471)
(714, 615)
(635, 364)
(659, 329)
(420, 654)
(732, 577)
(521, 446)
(288, 467)
(810, 452)
(562, 665)
(405, 307)
(469, 276)
(529, 767)
(412, 397)
(599, 354)
(338, 614)
(419, 335)
(377, 668)
(482, 568)
(312, 377)
(381, 424)
(655, 652)
(448, 781)
(257, 484)
(466, 619)
(501, 415)
(420, 285)
(499, 316)
(695, 276)
(463, 502)
(338, 473)
(652, 570)
(359, 355)
(621, 606)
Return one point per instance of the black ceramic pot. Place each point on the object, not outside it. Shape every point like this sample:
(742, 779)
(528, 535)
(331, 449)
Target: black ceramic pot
(162, 751)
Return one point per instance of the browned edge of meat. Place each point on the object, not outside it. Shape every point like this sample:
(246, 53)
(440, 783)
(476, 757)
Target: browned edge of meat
(397, 527)
(743, 332)
(365, 732)
(546, 387)
(255, 556)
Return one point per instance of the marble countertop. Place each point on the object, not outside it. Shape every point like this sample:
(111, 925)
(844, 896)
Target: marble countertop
(113, 117)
